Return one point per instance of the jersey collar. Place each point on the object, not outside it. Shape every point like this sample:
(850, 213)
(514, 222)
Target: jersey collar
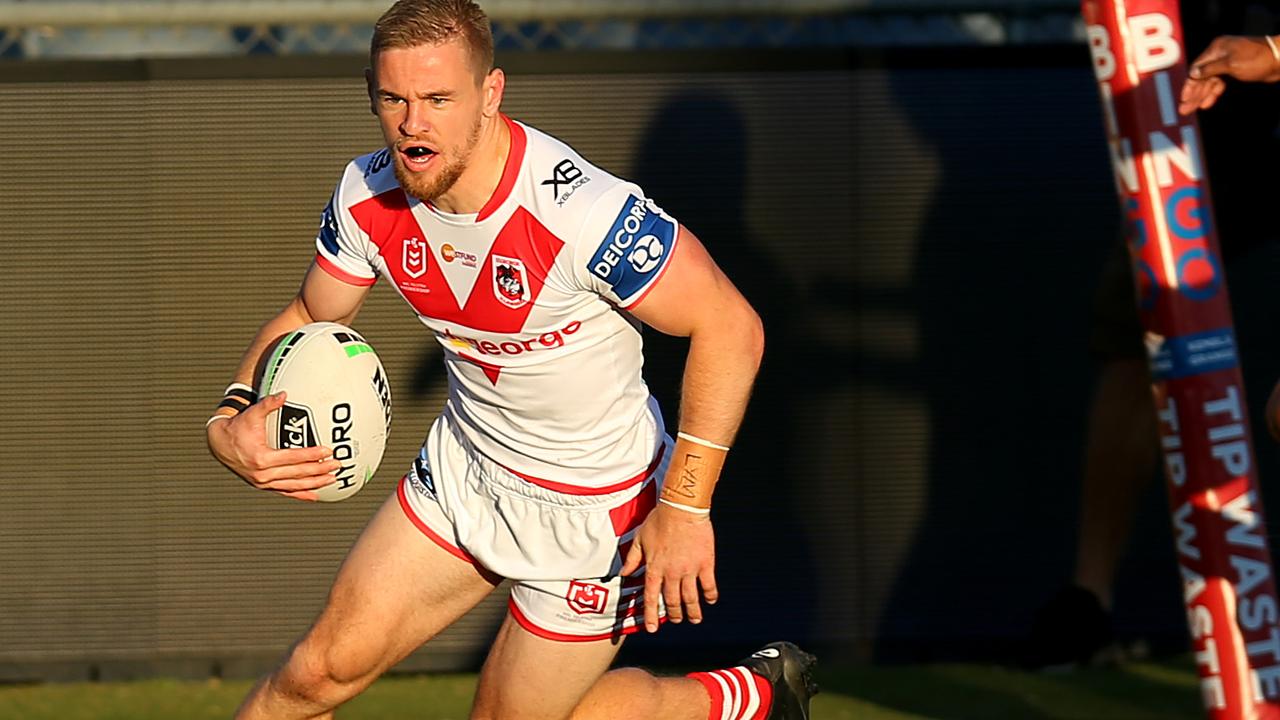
(515, 156)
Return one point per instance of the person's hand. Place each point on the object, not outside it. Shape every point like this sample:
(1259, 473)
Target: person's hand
(240, 443)
(678, 549)
(1251, 59)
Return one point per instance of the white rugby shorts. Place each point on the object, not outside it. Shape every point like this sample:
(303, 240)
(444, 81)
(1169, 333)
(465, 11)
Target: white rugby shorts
(563, 546)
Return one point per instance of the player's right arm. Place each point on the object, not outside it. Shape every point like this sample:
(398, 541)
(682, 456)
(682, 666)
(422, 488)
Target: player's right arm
(240, 442)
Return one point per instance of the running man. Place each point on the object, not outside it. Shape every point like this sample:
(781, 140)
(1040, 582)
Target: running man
(550, 463)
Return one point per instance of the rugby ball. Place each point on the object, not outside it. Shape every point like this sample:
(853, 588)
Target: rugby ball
(338, 396)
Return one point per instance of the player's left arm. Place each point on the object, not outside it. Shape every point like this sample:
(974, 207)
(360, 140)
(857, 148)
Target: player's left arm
(694, 298)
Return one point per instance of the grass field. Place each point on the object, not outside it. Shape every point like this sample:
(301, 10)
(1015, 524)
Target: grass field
(1137, 691)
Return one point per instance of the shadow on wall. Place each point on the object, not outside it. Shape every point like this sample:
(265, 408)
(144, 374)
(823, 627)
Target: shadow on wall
(1010, 250)
(1007, 250)
(692, 161)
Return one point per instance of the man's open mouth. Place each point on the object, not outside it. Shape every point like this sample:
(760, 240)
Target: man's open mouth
(416, 157)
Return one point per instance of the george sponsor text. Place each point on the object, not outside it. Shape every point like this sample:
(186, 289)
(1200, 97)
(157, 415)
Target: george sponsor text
(544, 341)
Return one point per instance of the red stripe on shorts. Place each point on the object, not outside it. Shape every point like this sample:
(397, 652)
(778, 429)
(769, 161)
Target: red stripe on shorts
(434, 536)
(579, 490)
(628, 516)
(523, 621)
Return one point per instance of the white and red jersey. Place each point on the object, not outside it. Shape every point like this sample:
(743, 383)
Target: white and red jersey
(528, 297)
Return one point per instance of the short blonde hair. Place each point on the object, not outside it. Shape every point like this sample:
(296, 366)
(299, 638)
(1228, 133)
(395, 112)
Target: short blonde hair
(410, 23)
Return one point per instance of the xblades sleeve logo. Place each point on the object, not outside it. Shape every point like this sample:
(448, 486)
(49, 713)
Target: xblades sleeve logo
(564, 173)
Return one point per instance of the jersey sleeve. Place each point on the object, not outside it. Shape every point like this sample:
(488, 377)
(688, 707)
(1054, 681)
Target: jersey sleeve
(624, 245)
(341, 246)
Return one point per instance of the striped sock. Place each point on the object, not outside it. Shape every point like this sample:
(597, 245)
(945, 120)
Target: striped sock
(736, 693)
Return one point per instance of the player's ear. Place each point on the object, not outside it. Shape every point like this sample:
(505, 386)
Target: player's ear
(373, 96)
(494, 85)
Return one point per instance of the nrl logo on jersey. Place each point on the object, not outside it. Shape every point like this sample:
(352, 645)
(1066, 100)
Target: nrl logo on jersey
(414, 258)
(509, 284)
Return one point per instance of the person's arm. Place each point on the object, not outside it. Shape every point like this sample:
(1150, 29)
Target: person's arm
(239, 442)
(1252, 59)
(726, 342)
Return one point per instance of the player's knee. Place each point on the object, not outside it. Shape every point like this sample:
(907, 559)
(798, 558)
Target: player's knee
(498, 711)
(323, 674)
(492, 703)
(303, 679)
(483, 708)
(622, 693)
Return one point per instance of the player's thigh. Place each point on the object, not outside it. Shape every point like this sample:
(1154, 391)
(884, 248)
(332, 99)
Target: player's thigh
(395, 590)
(527, 677)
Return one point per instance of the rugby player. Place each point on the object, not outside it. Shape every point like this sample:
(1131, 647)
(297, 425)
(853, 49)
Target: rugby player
(550, 463)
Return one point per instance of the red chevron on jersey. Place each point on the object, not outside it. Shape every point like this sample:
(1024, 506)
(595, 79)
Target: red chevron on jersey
(527, 299)
(523, 243)
(513, 275)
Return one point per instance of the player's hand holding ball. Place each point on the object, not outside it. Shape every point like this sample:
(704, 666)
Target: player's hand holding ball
(240, 444)
(319, 431)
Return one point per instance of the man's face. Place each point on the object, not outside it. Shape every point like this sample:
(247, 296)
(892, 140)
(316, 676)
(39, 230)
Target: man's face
(430, 107)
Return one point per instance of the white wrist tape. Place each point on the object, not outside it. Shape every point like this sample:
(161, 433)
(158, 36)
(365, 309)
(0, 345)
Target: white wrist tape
(686, 508)
(699, 441)
(216, 417)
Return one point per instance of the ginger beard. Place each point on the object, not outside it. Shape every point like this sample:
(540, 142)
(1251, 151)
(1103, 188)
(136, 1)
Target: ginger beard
(431, 184)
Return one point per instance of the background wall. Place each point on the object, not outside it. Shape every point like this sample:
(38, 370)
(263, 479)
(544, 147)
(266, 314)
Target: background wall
(920, 231)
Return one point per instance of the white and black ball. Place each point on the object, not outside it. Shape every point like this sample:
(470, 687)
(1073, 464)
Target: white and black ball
(338, 396)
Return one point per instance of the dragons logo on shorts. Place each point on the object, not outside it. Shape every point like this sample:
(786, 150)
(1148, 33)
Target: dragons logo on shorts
(508, 281)
(587, 598)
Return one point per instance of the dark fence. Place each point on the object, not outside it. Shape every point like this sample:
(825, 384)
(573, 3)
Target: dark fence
(921, 232)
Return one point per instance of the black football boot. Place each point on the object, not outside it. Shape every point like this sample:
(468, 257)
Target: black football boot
(789, 670)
